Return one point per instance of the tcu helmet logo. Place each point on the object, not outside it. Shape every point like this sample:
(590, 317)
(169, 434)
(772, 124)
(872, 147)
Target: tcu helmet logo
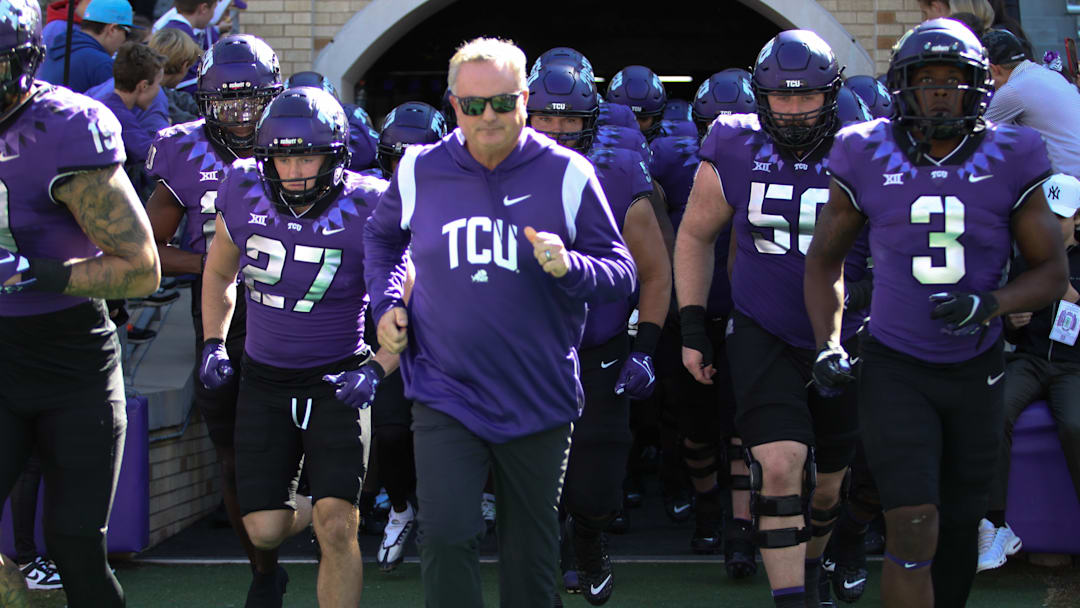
(486, 241)
(794, 84)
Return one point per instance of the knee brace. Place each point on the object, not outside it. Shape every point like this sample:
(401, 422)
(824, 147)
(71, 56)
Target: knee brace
(780, 506)
(707, 452)
(738, 482)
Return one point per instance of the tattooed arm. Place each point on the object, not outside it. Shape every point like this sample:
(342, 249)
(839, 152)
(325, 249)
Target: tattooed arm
(110, 213)
(12, 585)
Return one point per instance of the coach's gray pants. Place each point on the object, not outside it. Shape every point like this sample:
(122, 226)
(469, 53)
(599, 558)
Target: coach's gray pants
(452, 466)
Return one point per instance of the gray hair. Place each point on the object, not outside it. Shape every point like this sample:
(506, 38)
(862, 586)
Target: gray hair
(494, 50)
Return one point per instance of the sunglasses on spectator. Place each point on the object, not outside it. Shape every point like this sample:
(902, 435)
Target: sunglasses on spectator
(502, 103)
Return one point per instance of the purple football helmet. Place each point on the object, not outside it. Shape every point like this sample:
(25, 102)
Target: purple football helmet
(877, 98)
(413, 122)
(797, 62)
(639, 88)
(300, 122)
(311, 79)
(616, 115)
(560, 90)
(21, 48)
(939, 41)
(238, 77)
(563, 55)
(850, 107)
(726, 92)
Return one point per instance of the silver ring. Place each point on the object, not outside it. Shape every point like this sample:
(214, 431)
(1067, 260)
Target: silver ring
(547, 254)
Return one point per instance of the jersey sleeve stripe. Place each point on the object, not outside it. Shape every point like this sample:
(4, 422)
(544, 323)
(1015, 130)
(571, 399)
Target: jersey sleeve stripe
(406, 176)
(1032, 186)
(847, 190)
(577, 175)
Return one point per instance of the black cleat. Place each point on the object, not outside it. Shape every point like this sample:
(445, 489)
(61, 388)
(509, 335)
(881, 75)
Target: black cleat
(849, 583)
(678, 506)
(824, 592)
(267, 590)
(595, 577)
(739, 550)
(620, 524)
(708, 528)
(633, 493)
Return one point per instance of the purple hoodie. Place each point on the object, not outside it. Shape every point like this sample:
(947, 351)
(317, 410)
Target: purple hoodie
(492, 338)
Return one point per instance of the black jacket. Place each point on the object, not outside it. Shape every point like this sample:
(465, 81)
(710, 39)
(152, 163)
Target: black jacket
(1034, 338)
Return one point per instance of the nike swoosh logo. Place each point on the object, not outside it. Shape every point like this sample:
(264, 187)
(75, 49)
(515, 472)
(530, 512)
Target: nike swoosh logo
(507, 201)
(992, 380)
(910, 565)
(854, 583)
(4, 157)
(973, 179)
(680, 508)
(608, 364)
(328, 232)
(594, 589)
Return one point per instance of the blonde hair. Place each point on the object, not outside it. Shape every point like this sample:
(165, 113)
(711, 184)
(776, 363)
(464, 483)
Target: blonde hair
(980, 8)
(179, 49)
(494, 50)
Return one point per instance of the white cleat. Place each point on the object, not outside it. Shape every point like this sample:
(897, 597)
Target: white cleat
(392, 549)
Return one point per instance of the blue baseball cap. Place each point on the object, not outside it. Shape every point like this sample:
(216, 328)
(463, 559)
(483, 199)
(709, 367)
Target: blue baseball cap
(110, 11)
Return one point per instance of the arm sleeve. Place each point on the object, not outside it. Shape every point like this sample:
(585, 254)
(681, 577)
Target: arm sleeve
(1006, 105)
(386, 237)
(601, 267)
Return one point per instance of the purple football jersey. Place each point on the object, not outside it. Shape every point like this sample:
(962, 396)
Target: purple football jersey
(624, 179)
(304, 275)
(674, 163)
(492, 337)
(776, 199)
(191, 167)
(936, 226)
(614, 136)
(58, 133)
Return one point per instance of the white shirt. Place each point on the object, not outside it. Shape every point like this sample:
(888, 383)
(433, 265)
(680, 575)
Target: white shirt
(1042, 99)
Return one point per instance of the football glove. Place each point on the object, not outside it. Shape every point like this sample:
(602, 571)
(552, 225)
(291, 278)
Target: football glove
(964, 313)
(357, 387)
(216, 369)
(831, 371)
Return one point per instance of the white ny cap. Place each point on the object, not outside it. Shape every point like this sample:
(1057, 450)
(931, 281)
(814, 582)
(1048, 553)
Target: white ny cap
(1062, 194)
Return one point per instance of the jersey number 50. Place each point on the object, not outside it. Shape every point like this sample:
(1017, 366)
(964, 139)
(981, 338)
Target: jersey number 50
(781, 239)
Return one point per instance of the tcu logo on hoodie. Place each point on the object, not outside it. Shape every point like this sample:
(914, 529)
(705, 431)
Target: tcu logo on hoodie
(485, 240)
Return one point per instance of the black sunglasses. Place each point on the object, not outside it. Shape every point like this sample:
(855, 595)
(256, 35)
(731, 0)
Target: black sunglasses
(502, 103)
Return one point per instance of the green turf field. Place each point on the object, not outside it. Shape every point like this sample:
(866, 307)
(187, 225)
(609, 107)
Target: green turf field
(638, 585)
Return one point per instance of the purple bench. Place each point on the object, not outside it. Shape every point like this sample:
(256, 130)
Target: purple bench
(1042, 506)
(129, 523)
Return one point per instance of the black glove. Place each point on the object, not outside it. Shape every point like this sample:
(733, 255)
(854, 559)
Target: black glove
(964, 313)
(692, 320)
(831, 371)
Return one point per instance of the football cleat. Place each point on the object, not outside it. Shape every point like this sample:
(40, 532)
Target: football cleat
(392, 548)
(678, 505)
(849, 583)
(739, 550)
(708, 528)
(267, 590)
(595, 577)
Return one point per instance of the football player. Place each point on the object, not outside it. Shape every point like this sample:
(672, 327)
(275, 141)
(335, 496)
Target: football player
(563, 105)
(288, 220)
(874, 94)
(726, 92)
(944, 194)
(638, 88)
(236, 80)
(766, 174)
(72, 234)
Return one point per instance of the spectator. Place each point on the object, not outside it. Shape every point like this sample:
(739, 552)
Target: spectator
(1004, 21)
(106, 25)
(181, 53)
(1031, 95)
(193, 18)
(980, 9)
(138, 73)
(1043, 367)
(56, 18)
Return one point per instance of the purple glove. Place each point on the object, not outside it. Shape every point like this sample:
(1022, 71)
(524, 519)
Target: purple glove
(216, 369)
(357, 388)
(637, 378)
(11, 265)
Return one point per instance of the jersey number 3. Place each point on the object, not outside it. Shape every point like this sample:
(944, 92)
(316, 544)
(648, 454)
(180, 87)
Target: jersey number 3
(922, 266)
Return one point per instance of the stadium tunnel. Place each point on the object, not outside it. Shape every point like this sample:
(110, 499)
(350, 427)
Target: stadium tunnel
(394, 51)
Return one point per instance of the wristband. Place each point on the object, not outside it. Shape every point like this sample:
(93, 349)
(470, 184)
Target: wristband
(214, 341)
(379, 371)
(48, 274)
(692, 319)
(648, 336)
